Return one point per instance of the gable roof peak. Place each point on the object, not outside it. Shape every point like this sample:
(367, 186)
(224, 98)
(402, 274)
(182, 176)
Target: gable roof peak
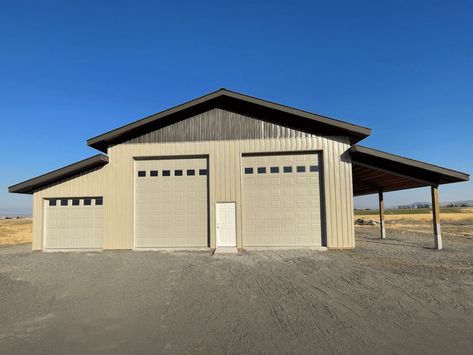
(239, 103)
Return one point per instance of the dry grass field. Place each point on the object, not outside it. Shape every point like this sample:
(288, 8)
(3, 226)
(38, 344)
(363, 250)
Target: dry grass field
(454, 222)
(15, 231)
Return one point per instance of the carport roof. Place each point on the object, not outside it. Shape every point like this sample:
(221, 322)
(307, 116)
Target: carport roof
(29, 186)
(374, 171)
(239, 103)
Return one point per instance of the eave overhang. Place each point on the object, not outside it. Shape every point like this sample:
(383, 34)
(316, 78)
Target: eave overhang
(29, 186)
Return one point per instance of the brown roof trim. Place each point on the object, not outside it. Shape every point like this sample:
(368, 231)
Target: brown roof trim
(236, 102)
(424, 173)
(28, 186)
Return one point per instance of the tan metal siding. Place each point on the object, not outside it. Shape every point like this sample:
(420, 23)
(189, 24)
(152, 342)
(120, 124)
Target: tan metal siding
(115, 183)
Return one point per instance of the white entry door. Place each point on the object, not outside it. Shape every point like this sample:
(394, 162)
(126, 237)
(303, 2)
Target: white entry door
(226, 231)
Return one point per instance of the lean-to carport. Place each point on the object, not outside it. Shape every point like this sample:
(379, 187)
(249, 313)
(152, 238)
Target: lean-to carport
(376, 172)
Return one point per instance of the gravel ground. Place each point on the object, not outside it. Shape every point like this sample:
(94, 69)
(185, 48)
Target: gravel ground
(389, 297)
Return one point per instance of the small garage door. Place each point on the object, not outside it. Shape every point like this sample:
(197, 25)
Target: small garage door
(74, 223)
(281, 201)
(171, 208)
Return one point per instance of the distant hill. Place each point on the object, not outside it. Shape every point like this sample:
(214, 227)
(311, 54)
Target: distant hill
(466, 203)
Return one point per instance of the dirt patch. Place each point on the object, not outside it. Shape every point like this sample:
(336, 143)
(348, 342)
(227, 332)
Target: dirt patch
(384, 297)
(15, 231)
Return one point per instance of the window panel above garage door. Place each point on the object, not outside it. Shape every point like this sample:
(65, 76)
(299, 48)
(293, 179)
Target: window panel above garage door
(74, 223)
(281, 200)
(171, 208)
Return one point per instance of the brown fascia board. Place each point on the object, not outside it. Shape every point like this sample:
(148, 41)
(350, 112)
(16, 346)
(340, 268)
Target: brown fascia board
(239, 103)
(407, 167)
(28, 186)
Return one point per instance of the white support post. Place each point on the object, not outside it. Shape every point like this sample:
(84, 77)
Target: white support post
(381, 214)
(436, 217)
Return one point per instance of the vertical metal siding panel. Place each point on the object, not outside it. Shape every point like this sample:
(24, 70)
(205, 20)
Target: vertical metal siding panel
(348, 212)
(228, 170)
(332, 234)
(234, 164)
(237, 157)
(336, 169)
(349, 196)
(342, 195)
(209, 148)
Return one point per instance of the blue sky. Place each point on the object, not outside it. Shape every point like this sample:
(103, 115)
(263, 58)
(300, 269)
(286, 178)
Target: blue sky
(70, 70)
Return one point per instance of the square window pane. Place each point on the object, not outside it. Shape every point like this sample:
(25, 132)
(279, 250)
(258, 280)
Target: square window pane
(287, 169)
(166, 172)
(75, 202)
(314, 168)
(99, 201)
(248, 170)
(87, 202)
(64, 202)
(141, 173)
(177, 172)
(261, 170)
(52, 202)
(203, 172)
(153, 173)
(190, 172)
(274, 169)
(301, 169)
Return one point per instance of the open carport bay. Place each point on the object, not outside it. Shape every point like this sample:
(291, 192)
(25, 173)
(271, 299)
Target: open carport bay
(387, 297)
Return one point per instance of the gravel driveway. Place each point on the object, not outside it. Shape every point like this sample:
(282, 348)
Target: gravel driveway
(385, 297)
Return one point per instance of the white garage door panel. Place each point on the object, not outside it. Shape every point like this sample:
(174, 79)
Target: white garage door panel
(281, 201)
(171, 211)
(70, 226)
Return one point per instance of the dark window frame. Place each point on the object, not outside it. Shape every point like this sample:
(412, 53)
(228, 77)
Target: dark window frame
(64, 202)
(99, 201)
(153, 173)
(274, 170)
(261, 170)
(166, 173)
(248, 171)
(287, 169)
(300, 169)
(75, 202)
(190, 172)
(141, 173)
(52, 202)
(178, 172)
(87, 202)
(203, 172)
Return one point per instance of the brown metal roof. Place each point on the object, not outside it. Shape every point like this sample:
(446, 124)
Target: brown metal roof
(239, 103)
(29, 186)
(374, 171)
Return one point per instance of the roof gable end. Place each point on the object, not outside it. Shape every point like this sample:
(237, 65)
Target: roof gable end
(238, 103)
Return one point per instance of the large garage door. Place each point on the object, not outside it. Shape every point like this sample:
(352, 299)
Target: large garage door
(171, 205)
(281, 201)
(74, 223)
